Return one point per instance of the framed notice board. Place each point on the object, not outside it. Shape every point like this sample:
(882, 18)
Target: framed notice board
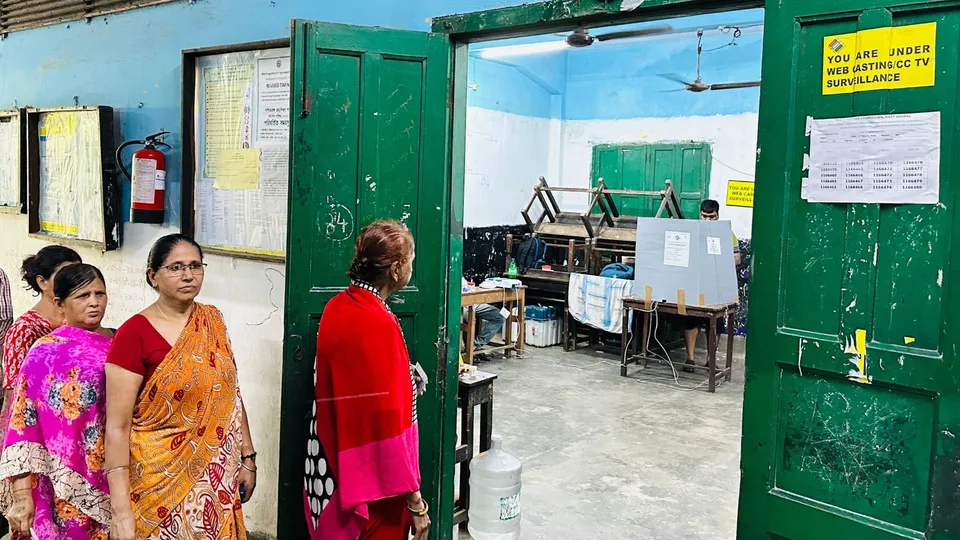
(72, 190)
(236, 125)
(13, 159)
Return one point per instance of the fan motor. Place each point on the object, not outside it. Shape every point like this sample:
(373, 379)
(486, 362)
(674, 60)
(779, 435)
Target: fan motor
(580, 38)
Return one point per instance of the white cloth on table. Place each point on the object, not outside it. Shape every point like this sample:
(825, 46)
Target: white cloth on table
(598, 301)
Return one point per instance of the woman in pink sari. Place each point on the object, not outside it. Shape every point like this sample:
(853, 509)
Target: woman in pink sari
(53, 483)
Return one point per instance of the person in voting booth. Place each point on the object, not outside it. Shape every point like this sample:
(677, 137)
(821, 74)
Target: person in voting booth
(709, 211)
(39, 272)
(179, 457)
(362, 469)
(53, 460)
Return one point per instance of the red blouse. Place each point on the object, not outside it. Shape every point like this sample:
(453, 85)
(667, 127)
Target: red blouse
(24, 332)
(138, 347)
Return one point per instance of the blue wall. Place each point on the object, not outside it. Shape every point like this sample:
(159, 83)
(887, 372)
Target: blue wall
(518, 87)
(134, 57)
(608, 81)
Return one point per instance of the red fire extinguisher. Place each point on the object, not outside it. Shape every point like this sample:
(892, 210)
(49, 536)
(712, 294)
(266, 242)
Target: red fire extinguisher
(149, 179)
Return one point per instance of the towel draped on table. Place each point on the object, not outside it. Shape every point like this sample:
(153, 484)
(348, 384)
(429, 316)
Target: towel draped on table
(598, 301)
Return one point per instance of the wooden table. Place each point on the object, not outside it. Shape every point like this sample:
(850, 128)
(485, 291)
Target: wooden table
(712, 313)
(510, 298)
(474, 390)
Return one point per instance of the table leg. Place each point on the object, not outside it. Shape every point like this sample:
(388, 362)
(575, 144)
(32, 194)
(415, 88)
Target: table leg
(625, 342)
(712, 354)
(486, 425)
(646, 335)
(521, 320)
(508, 327)
(730, 332)
(466, 437)
(471, 333)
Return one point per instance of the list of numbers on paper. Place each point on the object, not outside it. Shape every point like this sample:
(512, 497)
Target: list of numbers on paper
(886, 159)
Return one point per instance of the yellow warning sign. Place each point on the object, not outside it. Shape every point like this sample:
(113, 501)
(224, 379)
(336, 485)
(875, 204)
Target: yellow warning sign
(880, 59)
(740, 193)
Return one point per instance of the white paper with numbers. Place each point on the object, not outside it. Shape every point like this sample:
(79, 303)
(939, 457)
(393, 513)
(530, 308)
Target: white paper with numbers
(885, 159)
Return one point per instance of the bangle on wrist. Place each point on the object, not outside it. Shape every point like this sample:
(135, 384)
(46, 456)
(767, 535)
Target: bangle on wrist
(244, 465)
(421, 511)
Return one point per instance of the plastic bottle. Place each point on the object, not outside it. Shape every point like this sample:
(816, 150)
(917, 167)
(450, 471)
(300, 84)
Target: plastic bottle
(512, 269)
(495, 495)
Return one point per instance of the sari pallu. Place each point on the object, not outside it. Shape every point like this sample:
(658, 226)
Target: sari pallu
(56, 433)
(185, 439)
(362, 454)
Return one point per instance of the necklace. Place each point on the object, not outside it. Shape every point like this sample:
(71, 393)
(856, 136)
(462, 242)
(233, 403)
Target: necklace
(157, 304)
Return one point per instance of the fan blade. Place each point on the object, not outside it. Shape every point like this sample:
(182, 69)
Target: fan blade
(652, 31)
(734, 86)
(675, 78)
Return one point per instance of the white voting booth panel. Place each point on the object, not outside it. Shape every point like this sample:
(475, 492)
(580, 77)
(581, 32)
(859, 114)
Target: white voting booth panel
(685, 261)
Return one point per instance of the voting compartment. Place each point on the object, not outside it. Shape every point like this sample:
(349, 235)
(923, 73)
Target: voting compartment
(686, 262)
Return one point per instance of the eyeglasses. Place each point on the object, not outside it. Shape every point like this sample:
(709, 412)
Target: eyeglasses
(177, 269)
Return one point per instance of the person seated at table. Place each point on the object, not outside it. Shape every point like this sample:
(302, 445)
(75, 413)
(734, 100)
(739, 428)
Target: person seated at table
(709, 211)
(491, 321)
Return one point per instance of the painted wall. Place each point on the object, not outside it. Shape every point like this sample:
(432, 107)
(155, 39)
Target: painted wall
(132, 62)
(614, 93)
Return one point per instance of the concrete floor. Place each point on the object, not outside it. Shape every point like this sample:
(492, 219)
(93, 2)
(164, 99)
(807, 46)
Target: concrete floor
(608, 457)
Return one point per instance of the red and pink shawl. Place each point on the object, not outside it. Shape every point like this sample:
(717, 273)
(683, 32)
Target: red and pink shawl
(363, 444)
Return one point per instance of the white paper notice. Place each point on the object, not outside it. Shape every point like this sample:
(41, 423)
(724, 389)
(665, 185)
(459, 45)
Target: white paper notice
(676, 249)
(273, 105)
(713, 245)
(885, 159)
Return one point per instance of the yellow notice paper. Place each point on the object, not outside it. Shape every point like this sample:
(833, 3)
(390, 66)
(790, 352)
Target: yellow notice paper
(880, 59)
(238, 169)
(740, 193)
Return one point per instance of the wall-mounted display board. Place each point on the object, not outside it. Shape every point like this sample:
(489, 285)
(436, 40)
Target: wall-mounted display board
(236, 125)
(13, 158)
(72, 190)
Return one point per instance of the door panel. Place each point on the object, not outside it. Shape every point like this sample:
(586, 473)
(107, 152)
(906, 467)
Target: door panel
(370, 131)
(852, 399)
(645, 167)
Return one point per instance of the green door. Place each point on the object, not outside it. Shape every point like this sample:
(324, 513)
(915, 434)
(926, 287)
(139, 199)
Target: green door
(369, 140)
(646, 167)
(851, 426)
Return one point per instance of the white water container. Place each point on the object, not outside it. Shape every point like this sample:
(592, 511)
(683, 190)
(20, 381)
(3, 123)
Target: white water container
(494, 495)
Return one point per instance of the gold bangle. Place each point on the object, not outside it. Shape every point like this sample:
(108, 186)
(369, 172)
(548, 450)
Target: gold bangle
(115, 469)
(244, 465)
(421, 512)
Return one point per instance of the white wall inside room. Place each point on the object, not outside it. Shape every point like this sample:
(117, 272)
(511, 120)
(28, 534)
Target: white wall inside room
(255, 328)
(732, 139)
(505, 155)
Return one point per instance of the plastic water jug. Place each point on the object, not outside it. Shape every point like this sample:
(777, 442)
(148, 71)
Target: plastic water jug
(495, 494)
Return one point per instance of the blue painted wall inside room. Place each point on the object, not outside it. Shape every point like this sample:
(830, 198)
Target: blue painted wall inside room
(134, 57)
(616, 80)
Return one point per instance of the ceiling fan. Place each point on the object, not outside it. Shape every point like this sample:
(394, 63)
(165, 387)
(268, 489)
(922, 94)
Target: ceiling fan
(582, 38)
(698, 85)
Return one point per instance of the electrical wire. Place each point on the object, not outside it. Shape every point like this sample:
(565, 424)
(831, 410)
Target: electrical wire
(734, 169)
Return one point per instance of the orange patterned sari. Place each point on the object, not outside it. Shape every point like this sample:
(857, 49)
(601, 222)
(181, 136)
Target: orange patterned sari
(186, 436)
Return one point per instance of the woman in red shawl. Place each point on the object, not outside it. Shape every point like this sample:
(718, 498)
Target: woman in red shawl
(362, 470)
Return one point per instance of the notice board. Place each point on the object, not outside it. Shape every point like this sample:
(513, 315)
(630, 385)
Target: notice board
(71, 175)
(236, 148)
(13, 171)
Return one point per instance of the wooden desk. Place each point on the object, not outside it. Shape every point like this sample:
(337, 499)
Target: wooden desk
(474, 390)
(712, 313)
(510, 298)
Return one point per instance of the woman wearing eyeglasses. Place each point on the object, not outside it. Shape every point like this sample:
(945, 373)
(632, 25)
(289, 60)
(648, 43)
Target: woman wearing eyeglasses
(179, 457)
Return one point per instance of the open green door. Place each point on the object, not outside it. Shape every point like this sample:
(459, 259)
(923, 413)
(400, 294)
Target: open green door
(830, 454)
(369, 140)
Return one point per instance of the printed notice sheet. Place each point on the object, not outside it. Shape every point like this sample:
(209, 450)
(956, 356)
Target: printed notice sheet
(883, 159)
(676, 249)
(243, 122)
(10, 160)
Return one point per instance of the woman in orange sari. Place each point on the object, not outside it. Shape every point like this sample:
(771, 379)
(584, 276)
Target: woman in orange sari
(179, 457)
